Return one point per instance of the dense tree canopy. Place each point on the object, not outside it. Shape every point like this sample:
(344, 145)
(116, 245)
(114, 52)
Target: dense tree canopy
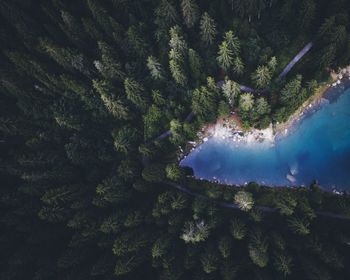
(98, 99)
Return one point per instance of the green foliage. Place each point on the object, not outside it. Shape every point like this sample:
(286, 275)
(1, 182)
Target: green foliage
(86, 88)
(124, 139)
(135, 93)
(283, 264)
(291, 90)
(223, 109)
(174, 172)
(246, 101)
(225, 56)
(190, 12)
(262, 77)
(286, 203)
(262, 106)
(195, 232)
(238, 229)
(207, 29)
(155, 68)
(299, 225)
(257, 247)
(112, 102)
(209, 260)
(177, 72)
(224, 246)
(230, 90)
(204, 102)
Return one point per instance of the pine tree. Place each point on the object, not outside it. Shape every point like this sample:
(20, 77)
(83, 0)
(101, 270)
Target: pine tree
(177, 42)
(232, 42)
(190, 12)
(272, 64)
(225, 56)
(68, 58)
(244, 200)
(299, 225)
(108, 66)
(238, 66)
(177, 72)
(286, 203)
(161, 246)
(174, 172)
(195, 232)
(209, 260)
(283, 264)
(238, 229)
(207, 29)
(262, 77)
(113, 104)
(124, 138)
(166, 11)
(262, 106)
(155, 68)
(289, 93)
(231, 90)
(135, 93)
(224, 245)
(246, 101)
(258, 247)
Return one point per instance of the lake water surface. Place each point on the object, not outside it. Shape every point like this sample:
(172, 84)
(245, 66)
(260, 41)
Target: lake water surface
(318, 148)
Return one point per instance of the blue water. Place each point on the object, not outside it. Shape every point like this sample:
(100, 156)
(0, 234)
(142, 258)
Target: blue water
(317, 149)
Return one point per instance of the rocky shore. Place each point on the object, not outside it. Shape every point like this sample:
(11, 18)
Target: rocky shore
(230, 128)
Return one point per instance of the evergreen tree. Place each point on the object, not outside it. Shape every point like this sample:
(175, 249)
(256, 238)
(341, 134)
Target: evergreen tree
(112, 102)
(225, 56)
(209, 260)
(225, 244)
(262, 77)
(135, 93)
(232, 42)
(262, 106)
(244, 200)
(231, 90)
(207, 29)
(238, 229)
(238, 66)
(155, 68)
(246, 101)
(195, 232)
(177, 72)
(283, 264)
(299, 225)
(258, 247)
(289, 93)
(177, 42)
(190, 12)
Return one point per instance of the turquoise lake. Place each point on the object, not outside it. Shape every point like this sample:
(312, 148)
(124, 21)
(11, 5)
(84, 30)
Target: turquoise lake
(318, 148)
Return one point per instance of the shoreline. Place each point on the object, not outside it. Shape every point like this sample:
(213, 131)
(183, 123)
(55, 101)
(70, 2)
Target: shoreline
(324, 94)
(230, 128)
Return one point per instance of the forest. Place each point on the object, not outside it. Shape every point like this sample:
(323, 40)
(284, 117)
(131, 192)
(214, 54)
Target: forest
(97, 96)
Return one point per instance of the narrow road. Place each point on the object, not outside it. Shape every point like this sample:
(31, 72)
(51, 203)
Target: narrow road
(235, 206)
(295, 60)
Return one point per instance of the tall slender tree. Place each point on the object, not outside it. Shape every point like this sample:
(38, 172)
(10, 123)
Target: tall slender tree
(207, 29)
(190, 12)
